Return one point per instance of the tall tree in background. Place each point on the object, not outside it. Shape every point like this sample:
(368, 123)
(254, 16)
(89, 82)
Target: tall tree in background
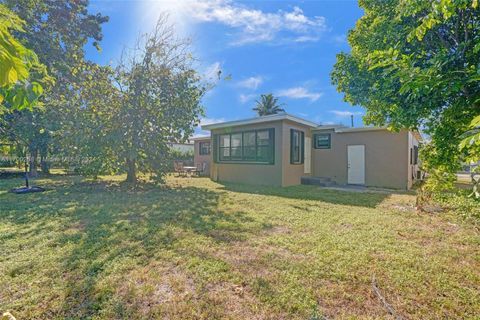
(57, 31)
(268, 104)
(414, 64)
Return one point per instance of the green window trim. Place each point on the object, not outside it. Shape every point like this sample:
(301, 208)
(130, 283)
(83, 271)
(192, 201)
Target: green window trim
(297, 146)
(204, 148)
(245, 147)
(322, 141)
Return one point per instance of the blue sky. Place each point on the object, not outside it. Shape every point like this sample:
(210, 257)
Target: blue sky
(286, 48)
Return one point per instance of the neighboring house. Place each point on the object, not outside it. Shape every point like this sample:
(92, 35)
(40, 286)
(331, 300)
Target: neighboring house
(285, 150)
(202, 153)
(182, 147)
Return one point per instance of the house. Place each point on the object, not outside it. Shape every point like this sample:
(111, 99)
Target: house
(284, 150)
(202, 153)
(182, 147)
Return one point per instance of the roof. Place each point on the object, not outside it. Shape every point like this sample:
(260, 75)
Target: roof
(338, 128)
(262, 119)
(199, 138)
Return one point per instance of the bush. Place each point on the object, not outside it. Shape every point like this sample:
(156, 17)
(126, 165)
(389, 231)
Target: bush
(459, 202)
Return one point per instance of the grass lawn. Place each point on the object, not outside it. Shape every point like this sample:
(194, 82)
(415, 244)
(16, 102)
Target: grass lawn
(196, 249)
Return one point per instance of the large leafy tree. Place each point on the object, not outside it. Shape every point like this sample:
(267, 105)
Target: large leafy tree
(88, 136)
(57, 31)
(268, 104)
(155, 99)
(160, 100)
(414, 64)
(17, 63)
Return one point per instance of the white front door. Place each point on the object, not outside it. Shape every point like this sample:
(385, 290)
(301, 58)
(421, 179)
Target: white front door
(356, 164)
(307, 155)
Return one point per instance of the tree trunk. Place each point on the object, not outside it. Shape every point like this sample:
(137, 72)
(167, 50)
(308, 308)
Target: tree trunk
(44, 165)
(131, 171)
(33, 163)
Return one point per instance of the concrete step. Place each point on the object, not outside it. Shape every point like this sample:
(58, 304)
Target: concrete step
(318, 181)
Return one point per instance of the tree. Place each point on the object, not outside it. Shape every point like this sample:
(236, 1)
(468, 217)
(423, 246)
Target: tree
(470, 144)
(154, 100)
(268, 104)
(16, 65)
(414, 64)
(160, 100)
(57, 31)
(88, 132)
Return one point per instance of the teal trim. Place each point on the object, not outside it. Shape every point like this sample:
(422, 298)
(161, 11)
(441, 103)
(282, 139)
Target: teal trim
(316, 143)
(270, 147)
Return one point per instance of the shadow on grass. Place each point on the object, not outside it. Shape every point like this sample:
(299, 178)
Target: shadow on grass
(306, 192)
(106, 223)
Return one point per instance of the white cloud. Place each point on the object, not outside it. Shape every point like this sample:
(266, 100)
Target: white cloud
(340, 39)
(307, 39)
(253, 25)
(247, 97)
(340, 113)
(212, 71)
(251, 83)
(299, 93)
(207, 121)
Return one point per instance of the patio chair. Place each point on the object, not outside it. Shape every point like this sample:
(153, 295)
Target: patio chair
(178, 168)
(201, 169)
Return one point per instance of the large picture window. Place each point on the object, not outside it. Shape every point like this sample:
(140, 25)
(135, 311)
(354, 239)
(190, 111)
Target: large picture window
(204, 148)
(256, 146)
(322, 141)
(296, 146)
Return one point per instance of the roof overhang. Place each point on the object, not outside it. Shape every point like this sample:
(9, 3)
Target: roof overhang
(199, 138)
(360, 129)
(262, 119)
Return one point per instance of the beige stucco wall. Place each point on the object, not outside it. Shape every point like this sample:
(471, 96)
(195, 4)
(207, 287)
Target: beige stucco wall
(251, 173)
(198, 159)
(292, 172)
(386, 158)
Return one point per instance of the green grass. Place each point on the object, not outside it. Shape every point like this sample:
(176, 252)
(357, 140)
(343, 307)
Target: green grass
(195, 249)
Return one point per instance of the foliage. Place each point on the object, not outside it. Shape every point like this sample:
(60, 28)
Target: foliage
(87, 128)
(160, 94)
(460, 203)
(471, 141)
(268, 104)
(125, 119)
(414, 64)
(58, 32)
(16, 65)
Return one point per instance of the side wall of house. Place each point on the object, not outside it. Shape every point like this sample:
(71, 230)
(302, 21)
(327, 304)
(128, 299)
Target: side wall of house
(199, 159)
(293, 172)
(386, 157)
(251, 173)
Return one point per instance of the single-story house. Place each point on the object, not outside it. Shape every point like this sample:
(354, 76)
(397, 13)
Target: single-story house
(284, 150)
(202, 153)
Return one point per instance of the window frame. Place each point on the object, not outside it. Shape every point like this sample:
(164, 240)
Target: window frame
(316, 146)
(200, 149)
(300, 138)
(218, 149)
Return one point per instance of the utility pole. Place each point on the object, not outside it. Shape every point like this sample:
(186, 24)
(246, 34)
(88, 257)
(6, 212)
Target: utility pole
(351, 117)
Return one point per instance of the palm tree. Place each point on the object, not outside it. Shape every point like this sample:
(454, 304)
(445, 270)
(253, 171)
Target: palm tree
(268, 104)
